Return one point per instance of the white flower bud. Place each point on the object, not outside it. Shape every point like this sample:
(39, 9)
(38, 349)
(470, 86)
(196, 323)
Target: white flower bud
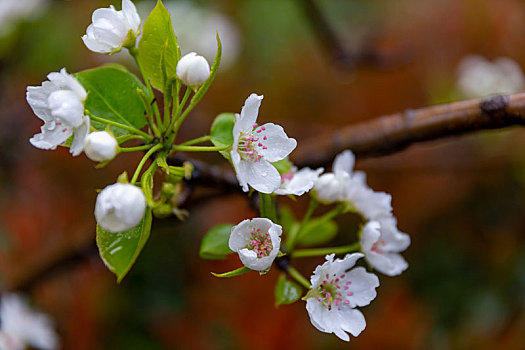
(100, 146)
(120, 207)
(193, 70)
(112, 29)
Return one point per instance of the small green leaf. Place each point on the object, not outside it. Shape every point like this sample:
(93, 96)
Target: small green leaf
(113, 94)
(158, 48)
(214, 244)
(286, 292)
(317, 232)
(237, 272)
(222, 131)
(147, 186)
(119, 250)
(283, 166)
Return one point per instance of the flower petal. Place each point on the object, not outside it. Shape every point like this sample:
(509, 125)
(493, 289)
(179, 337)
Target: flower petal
(278, 144)
(79, 137)
(262, 176)
(363, 287)
(344, 163)
(249, 112)
(49, 138)
(370, 235)
(130, 13)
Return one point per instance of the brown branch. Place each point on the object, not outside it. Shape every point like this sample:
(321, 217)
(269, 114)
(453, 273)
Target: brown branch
(393, 133)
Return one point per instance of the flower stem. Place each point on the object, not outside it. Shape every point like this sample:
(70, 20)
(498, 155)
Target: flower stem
(298, 277)
(122, 126)
(267, 206)
(297, 228)
(134, 52)
(177, 113)
(133, 149)
(143, 161)
(196, 141)
(304, 253)
(124, 138)
(199, 148)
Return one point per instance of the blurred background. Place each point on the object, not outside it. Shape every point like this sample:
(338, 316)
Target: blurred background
(461, 200)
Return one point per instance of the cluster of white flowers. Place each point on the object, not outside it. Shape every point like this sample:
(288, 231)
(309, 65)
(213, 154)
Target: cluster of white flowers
(335, 289)
(21, 327)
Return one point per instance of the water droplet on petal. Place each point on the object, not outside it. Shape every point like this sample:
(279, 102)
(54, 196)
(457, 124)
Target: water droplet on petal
(264, 174)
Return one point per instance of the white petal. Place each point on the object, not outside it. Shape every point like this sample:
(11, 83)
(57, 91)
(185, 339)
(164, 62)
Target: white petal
(353, 321)
(278, 144)
(95, 45)
(79, 137)
(344, 163)
(249, 112)
(238, 237)
(250, 260)
(363, 286)
(130, 12)
(37, 97)
(395, 240)
(370, 235)
(64, 104)
(49, 139)
(390, 264)
(302, 182)
(262, 176)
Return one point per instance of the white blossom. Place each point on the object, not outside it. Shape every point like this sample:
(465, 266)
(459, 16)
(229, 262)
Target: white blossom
(298, 182)
(111, 29)
(21, 327)
(478, 77)
(336, 289)
(257, 241)
(100, 146)
(59, 102)
(254, 147)
(332, 187)
(381, 243)
(193, 70)
(120, 207)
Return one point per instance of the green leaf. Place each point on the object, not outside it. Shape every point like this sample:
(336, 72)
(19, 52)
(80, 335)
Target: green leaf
(113, 95)
(214, 244)
(286, 292)
(237, 272)
(119, 250)
(317, 232)
(283, 166)
(158, 48)
(147, 185)
(222, 131)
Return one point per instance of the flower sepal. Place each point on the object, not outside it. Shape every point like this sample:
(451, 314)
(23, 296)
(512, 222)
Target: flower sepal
(237, 272)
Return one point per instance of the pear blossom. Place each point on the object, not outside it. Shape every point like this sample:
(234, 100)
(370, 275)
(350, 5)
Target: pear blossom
(111, 29)
(21, 327)
(193, 70)
(332, 187)
(479, 77)
(100, 146)
(336, 289)
(59, 102)
(369, 203)
(257, 241)
(298, 182)
(120, 207)
(254, 147)
(381, 243)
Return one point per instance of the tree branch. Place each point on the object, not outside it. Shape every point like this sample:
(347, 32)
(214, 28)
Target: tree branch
(393, 133)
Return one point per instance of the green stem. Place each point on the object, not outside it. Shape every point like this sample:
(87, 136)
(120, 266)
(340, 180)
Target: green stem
(304, 253)
(297, 228)
(125, 138)
(332, 213)
(298, 277)
(143, 161)
(122, 126)
(267, 206)
(135, 54)
(133, 149)
(174, 126)
(198, 148)
(196, 141)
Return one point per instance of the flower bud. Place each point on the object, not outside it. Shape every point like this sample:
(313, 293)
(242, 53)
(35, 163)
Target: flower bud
(193, 70)
(100, 146)
(120, 207)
